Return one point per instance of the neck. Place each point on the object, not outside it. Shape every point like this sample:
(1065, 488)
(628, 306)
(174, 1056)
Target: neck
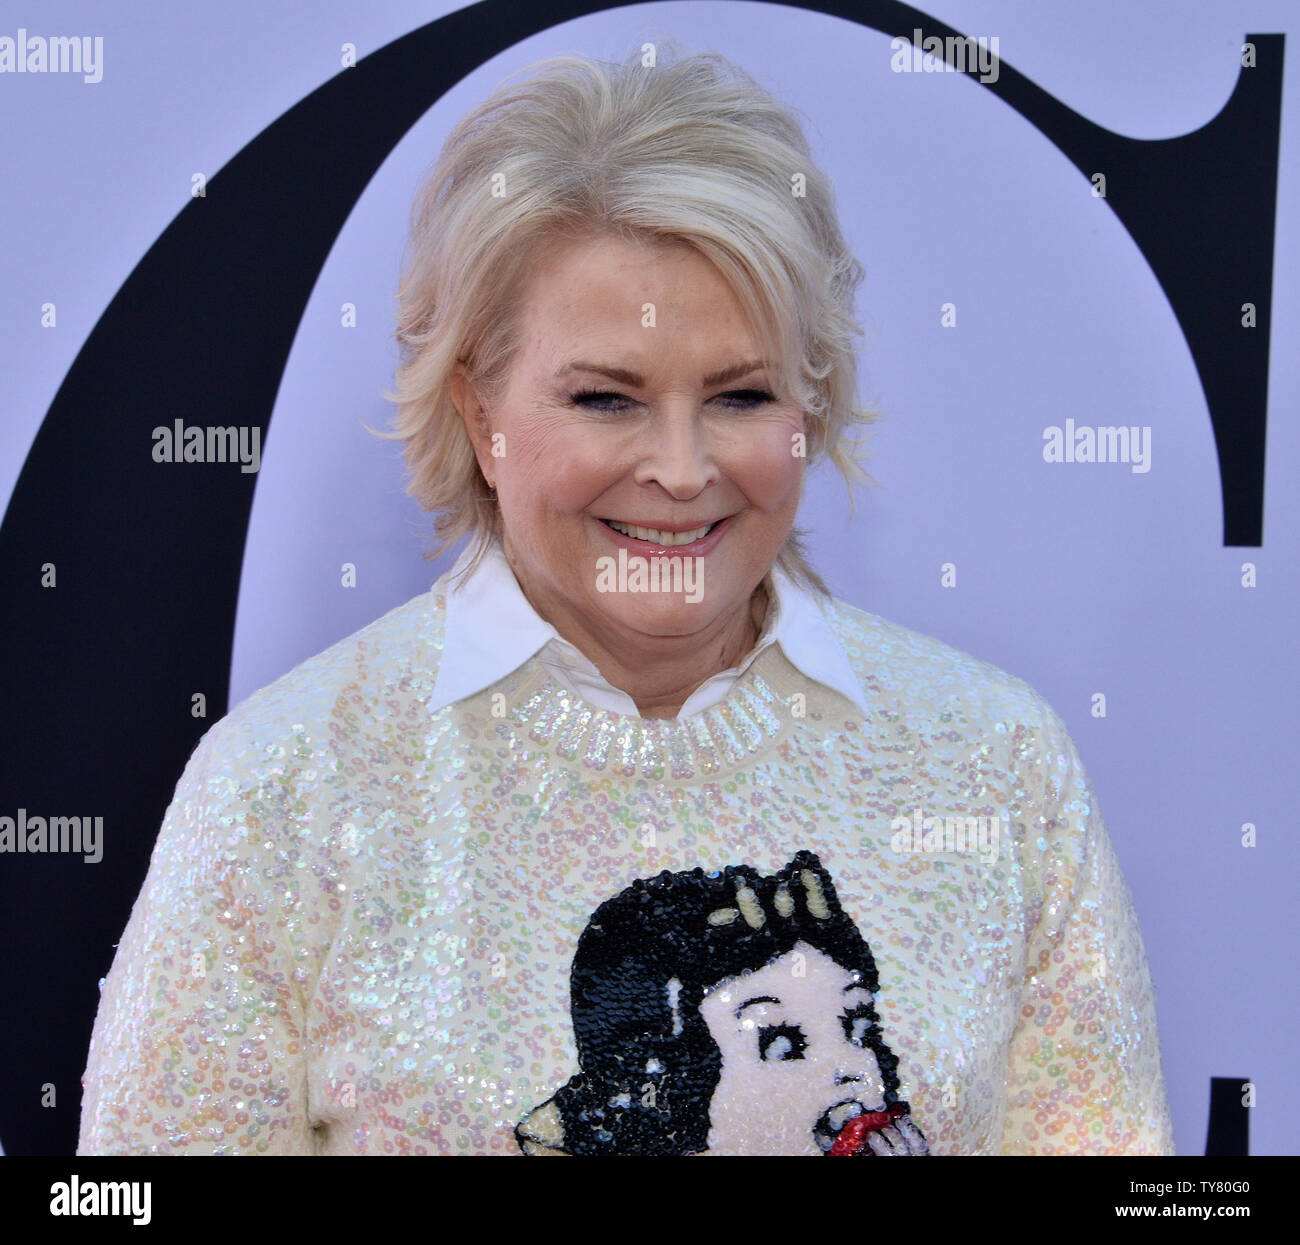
(660, 672)
(664, 677)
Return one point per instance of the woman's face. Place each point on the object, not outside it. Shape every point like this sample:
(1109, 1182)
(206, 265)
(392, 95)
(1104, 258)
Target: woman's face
(796, 1066)
(682, 435)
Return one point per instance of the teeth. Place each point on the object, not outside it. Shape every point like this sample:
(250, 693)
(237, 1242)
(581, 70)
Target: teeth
(655, 536)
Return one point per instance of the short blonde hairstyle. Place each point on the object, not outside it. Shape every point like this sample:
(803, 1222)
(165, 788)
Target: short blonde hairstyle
(686, 151)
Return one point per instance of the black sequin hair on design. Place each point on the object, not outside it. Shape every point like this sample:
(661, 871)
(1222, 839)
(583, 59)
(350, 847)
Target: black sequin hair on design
(642, 967)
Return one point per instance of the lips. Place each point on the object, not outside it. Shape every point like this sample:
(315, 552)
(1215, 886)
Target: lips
(666, 536)
(834, 1119)
(855, 1127)
(697, 547)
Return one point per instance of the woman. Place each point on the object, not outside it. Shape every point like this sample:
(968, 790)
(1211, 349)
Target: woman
(626, 328)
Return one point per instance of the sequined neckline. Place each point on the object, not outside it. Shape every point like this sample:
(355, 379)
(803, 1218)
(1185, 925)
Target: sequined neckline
(717, 739)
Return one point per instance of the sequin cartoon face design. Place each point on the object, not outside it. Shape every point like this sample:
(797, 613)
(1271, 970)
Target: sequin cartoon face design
(796, 1066)
(726, 1013)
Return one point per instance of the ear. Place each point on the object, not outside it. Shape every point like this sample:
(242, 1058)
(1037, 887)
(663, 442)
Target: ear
(468, 403)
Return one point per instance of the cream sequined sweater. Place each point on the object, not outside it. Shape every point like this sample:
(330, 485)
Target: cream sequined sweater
(521, 924)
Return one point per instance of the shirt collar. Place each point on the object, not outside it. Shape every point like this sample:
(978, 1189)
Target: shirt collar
(491, 629)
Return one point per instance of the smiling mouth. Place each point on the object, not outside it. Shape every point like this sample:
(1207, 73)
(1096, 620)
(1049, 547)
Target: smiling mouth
(832, 1121)
(660, 536)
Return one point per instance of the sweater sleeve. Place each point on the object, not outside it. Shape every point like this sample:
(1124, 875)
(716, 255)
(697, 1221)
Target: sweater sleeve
(198, 1045)
(1084, 1074)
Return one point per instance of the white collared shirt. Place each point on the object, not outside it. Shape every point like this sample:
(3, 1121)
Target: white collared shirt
(492, 629)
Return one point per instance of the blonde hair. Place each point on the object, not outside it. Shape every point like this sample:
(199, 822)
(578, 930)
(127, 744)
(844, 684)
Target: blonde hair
(691, 151)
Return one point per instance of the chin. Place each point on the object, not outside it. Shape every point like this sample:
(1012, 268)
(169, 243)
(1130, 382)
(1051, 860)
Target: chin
(662, 617)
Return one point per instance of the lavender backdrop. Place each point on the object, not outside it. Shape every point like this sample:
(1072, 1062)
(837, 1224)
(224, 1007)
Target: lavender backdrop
(1078, 578)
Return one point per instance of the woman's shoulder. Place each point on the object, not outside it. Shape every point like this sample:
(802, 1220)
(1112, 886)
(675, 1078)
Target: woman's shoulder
(896, 663)
(343, 690)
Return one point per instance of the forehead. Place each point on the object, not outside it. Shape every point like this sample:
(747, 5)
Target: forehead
(592, 294)
(603, 265)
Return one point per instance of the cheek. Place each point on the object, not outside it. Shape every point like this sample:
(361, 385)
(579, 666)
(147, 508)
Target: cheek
(554, 465)
(767, 471)
(530, 440)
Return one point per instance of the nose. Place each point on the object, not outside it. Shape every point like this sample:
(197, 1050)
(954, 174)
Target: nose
(860, 1067)
(677, 454)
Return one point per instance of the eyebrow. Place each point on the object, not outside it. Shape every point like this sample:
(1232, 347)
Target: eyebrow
(637, 381)
(758, 998)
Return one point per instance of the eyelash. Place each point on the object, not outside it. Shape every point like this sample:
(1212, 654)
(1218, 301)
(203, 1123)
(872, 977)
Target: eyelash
(753, 397)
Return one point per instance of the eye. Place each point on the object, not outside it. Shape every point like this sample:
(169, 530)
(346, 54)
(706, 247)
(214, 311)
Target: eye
(777, 1042)
(596, 399)
(604, 400)
(746, 399)
(858, 1023)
